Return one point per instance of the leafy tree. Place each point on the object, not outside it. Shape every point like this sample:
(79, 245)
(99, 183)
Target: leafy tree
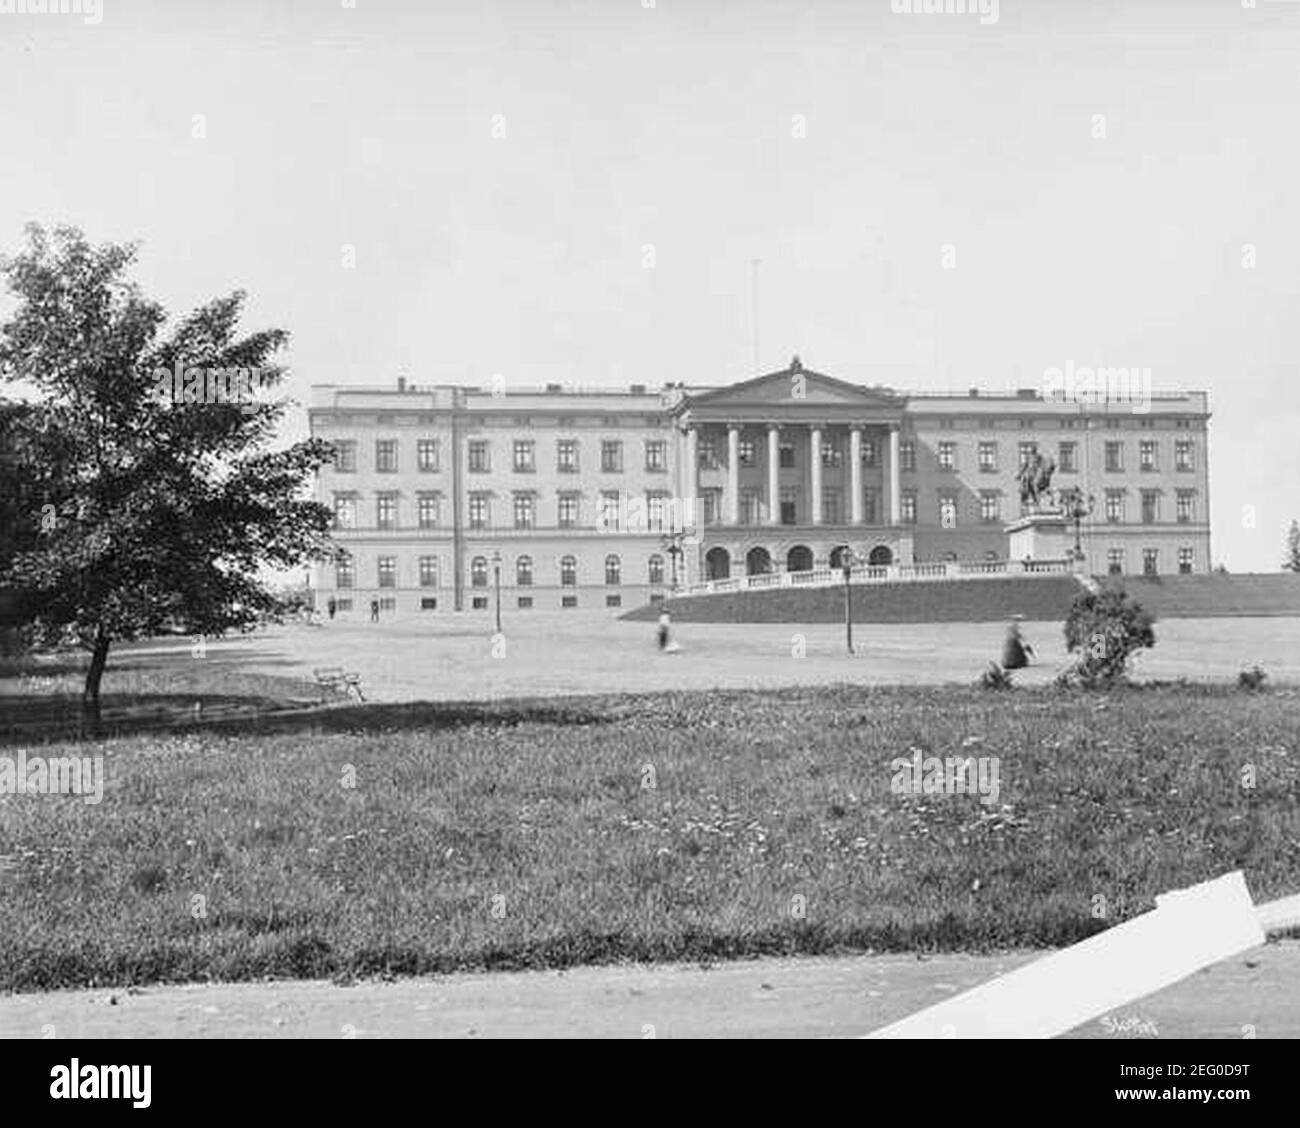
(1105, 628)
(1292, 561)
(141, 513)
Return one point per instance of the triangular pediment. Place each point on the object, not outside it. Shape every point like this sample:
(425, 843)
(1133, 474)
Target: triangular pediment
(795, 385)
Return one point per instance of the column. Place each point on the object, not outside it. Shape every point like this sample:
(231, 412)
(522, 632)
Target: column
(895, 494)
(692, 481)
(855, 474)
(815, 438)
(733, 473)
(773, 474)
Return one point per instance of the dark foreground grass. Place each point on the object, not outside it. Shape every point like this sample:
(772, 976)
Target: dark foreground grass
(417, 839)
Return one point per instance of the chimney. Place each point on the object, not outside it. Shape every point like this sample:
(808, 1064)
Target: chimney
(401, 383)
(553, 389)
(638, 389)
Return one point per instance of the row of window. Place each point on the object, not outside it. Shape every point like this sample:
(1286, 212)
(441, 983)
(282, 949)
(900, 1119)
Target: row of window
(524, 570)
(1115, 561)
(477, 602)
(568, 509)
(832, 455)
(568, 506)
(479, 453)
(1067, 424)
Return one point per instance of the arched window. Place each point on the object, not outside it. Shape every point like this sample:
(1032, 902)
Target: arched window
(656, 569)
(568, 571)
(613, 570)
(478, 572)
(524, 571)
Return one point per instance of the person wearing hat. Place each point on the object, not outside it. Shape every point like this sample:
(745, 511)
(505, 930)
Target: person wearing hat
(1015, 650)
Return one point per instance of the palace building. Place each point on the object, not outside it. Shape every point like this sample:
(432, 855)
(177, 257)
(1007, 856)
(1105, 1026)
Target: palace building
(568, 498)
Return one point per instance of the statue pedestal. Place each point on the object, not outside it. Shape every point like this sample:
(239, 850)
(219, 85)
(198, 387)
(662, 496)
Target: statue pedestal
(1040, 536)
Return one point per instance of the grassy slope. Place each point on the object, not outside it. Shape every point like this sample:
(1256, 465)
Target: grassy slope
(757, 798)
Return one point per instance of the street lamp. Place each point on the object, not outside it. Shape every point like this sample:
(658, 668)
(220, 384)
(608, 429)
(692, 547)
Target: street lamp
(671, 542)
(496, 569)
(1078, 506)
(847, 560)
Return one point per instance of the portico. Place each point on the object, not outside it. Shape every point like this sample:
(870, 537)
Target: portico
(793, 460)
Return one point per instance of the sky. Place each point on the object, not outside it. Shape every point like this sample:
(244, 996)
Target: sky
(575, 192)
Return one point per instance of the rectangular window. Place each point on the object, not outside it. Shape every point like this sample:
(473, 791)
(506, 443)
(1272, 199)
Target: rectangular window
(428, 603)
(1115, 458)
(388, 571)
(748, 453)
(656, 456)
(1026, 452)
(480, 461)
(870, 506)
(344, 576)
(568, 511)
(1183, 454)
(388, 603)
(386, 456)
(479, 602)
(525, 511)
(613, 601)
(947, 455)
(426, 455)
(947, 511)
(611, 456)
(1186, 506)
(568, 601)
(523, 450)
(345, 456)
(1150, 561)
(871, 453)
(609, 509)
(785, 456)
(712, 506)
(907, 455)
(1115, 561)
(566, 456)
(524, 602)
(749, 514)
(907, 504)
(1115, 506)
(386, 510)
(989, 457)
(429, 571)
(831, 514)
(345, 512)
(831, 455)
(1065, 458)
(1147, 455)
(478, 511)
(990, 506)
(427, 510)
(1150, 507)
(789, 505)
(708, 452)
(1185, 559)
(654, 508)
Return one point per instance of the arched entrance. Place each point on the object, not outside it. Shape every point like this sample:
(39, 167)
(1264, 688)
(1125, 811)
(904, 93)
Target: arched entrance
(837, 555)
(799, 559)
(881, 554)
(717, 564)
(758, 562)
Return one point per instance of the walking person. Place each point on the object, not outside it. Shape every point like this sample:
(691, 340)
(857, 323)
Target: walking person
(1015, 650)
(664, 632)
(331, 606)
(374, 610)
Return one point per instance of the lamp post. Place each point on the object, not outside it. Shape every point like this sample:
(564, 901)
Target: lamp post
(671, 543)
(496, 569)
(1078, 506)
(847, 560)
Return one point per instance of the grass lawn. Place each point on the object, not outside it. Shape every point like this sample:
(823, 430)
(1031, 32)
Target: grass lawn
(417, 838)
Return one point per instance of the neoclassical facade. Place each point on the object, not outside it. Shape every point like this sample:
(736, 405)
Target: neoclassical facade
(563, 498)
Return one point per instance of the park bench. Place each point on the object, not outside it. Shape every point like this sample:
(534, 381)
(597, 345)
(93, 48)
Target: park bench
(338, 680)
